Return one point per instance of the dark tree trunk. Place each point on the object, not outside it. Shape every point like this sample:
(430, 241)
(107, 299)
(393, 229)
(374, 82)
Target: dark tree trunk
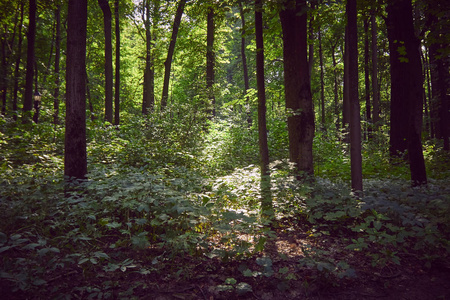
(375, 88)
(367, 76)
(322, 82)
(266, 204)
(406, 91)
(345, 98)
(244, 64)
(148, 100)
(297, 85)
(31, 36)
(210, 59)
(117, 81)
(57, 58)
(104, 5)
(168, 62)
(17, 66)
(75, 157)
(355, 123)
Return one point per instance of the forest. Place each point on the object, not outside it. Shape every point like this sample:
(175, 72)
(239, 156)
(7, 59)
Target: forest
(235, 149)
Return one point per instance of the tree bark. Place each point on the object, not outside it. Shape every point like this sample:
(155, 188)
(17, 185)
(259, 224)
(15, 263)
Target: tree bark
(17, 65)
(104, 5)
(336, 85)
(406, 91)
(297, 85)
(117, 79)
(322, 82)
(210, 59)
(355, 122)
(266, 199)
(31, 36)
(75, 157)
(244, 64)
(57, 59)
(367, 76)
(148, 100)
(168, 62)
(375, 88)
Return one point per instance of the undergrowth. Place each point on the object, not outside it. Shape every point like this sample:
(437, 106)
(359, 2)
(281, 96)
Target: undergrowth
(155, 191)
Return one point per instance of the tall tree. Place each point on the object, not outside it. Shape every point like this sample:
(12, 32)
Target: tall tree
(406, 91)
(31, 37)
(17, 64)
(210, 58)
(244, 61)
(168, 62)
(297, 84)
(266, 204)
(57, 59)
(117, 81)
(104, 5)
(367, 75)
(75, 156)
(150, 19)
(375, 88)
(355, 123)
(322, 83)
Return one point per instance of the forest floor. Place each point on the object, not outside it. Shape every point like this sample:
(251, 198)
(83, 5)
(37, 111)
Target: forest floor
(199, 277)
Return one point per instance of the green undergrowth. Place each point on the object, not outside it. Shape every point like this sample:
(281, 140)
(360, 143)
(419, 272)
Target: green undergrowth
(149, 201)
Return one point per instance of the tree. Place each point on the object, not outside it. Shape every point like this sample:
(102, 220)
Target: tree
(375, 88)
(297, 85)
(104, 5)
(168, 62)
(244, 61)
(75, 156)
(31, 36)
(17, 63)
(57, 59)
(210, 58)
(406, 91)
(117, 81)
(266, 199)
(355, 123)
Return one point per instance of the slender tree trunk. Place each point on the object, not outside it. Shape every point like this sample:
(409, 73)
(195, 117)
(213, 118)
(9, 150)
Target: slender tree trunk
(367, 76)
(322, 82)
(17, 66)
(117, 81)
(148, 100)
(244, 64)
(266, 205)
(31, 36)
(375, 88)
(75, 156)
(104, 5)
(210, 59)
(168, 62)
(298, 86)
(346, 101)
(57, 59)
(406, 91)
(336, 85)
(355, 123)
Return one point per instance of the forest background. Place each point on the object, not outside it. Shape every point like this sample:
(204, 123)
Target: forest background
(190, 148)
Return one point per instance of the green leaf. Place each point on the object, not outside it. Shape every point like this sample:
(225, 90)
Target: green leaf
(230, 281)
(243, 288)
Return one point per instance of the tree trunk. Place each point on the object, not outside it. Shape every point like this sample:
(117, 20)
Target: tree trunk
(117, 81)
(345, 100)
(244, 64)
(104, 5)
(406, 91)
(336, 84)
(148, 100)
(375, 88)
(266, 199)
(298, 86)
(367, 76)
(322, 82)
(17, 66)
(355, 123)
(31, 36)
(75, 157)
(311, 44)
(57, 59)
(210, 60)
(168, 62)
